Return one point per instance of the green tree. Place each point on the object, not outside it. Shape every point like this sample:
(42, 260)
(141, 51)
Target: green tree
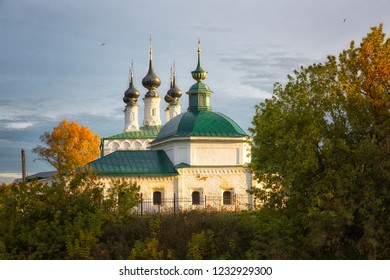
(68, 146)
(121, 199)
(322, 150)
(202, 246)
(147, 250)
(150, 248)
(64, 220)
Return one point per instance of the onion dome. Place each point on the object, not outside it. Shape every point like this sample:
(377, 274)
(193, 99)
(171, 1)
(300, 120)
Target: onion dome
(199, 93)
(174, 92)
(131, 94)
(151, 81)
(199, 74)
(168, 98)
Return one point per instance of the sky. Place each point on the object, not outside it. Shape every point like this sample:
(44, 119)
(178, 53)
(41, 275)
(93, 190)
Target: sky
(70, 59)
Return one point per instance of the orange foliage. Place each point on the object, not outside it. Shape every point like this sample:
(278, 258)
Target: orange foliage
(374, 59)
(366, 70)
(70, 146)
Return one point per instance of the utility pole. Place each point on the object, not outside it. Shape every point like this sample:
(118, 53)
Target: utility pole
(23, 166)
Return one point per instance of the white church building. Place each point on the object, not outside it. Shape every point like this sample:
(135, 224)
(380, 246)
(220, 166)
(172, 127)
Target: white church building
(198, 159)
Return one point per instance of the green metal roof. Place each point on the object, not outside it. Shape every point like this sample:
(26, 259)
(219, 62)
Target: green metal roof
(201, 123)
(145, 162)
(144, 132)
(199, 88)
(182, 165)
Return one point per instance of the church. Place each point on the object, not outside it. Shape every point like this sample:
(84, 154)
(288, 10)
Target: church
(197, 160)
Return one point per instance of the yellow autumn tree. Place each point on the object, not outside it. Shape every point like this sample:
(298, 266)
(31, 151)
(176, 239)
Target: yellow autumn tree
(69, 146)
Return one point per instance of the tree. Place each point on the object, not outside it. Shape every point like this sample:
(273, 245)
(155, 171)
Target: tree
(322, 150)
(64, 220)
(202, 246)
(121, 198)
(69, 146)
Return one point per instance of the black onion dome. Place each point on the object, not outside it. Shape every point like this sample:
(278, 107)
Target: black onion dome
(131, 94)
(151, 81)
(168, 98)
(174, 91)
(126, 99)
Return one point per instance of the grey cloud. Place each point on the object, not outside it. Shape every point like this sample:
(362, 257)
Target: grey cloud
(244, 109)
(6, 102)
(261, 69)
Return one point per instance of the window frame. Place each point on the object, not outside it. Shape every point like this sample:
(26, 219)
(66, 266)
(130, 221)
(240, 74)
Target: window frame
(195, 200)
(227, 197)
(157, 200)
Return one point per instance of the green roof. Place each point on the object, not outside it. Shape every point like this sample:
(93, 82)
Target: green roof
(199, 88)
(182, 165)
(145, 162)
(144, 132)
(201, 123)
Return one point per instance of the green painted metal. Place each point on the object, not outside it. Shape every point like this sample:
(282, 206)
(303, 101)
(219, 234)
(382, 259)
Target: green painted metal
(127, 163)
(199, 88)
(143, 133)
(199, 97)
(201, 123)
(182, 165)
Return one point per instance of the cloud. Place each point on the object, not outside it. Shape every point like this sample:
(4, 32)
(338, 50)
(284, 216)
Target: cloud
(260, 67)
(9, 177)
(18, 125)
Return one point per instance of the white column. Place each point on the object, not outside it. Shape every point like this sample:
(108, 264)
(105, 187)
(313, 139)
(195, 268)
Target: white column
(174, 110)
(152, 111)
(167, 115)
(131, 118)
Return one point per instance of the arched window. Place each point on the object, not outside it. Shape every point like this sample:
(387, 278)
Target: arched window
(227, 198)
(157, 198)
(114, 146)
(137, 145)
(126, 146)
(195, 198)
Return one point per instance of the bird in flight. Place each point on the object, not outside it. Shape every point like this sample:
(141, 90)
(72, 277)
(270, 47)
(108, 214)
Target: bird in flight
(102, 44)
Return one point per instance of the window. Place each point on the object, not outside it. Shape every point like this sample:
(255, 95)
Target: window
(227, 198)
(157, 198)
(153, 112)
(137, 145)
(201, 100)
(195, 198)
(114, 147)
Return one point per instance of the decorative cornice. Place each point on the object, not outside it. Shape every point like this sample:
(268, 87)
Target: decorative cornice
(198, 170)
(142, 178)
(194, 139)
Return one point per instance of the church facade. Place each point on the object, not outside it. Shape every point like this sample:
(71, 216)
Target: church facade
(198, 159)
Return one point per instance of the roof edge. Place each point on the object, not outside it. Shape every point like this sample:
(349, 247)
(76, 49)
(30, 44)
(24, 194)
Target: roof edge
(198, 138)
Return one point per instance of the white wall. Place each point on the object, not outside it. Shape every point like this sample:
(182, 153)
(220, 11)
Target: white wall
(112, 145)
(206, 151)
